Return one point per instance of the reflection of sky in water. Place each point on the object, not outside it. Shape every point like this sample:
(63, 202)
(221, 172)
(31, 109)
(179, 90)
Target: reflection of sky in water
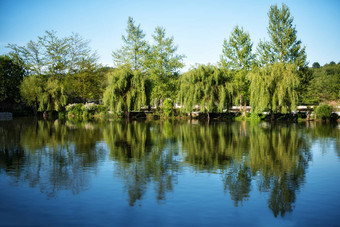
(94, 185)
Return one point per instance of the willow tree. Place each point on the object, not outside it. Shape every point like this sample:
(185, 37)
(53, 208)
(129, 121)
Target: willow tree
(207, 86)
(31, 90)
(284, 62)
(53, 96)
(274, 88)
(126, 90)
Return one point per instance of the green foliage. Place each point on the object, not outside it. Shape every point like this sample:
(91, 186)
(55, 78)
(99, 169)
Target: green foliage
(283, 46)
(206, 86)
(168, 106)
(126, 91)
(274, 87)
(84, 86)
(163, 65)
(237, 52)
(323, 111)
(325, 84)
(11, 75)
(134, 51)
(54, 56)
(53, 97)
(31, 90)
(316, 65)
(162, 59)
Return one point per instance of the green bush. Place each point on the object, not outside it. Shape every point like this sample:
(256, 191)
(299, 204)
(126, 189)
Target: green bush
(101, 108)
(323, 111)
(254, 117)
(167, 107)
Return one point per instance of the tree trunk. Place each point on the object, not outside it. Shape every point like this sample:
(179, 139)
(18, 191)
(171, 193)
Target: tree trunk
(241, 105)
(272, 118)
(244, 110)
(35, 109)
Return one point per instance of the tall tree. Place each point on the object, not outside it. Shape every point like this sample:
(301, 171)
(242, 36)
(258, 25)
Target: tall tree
(237, 55)
(163, 66)
(54, 56)
(163, 58)
(135, 48)
(207, 86)
(284, 46)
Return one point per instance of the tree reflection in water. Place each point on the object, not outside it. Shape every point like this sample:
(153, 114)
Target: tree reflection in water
(144, 154)
(58, 156)
(51, 155)
(275, 156)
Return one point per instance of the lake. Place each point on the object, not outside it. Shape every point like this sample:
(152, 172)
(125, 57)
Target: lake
(167, 173)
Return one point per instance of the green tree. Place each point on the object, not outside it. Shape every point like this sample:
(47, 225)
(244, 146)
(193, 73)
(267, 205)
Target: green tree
(323, 111)
(168, 106)
(237, 51)
(286, 55)
(316, 65)
(237, 55)
(163, 58)
(54, 96)
(325, 84)
(60, 63)
(135, 48)
(31, 90)
(11, 75)
(126, 90)
(85, 85)
(274, 87)
(283, 46)
(207, 86)
(54, 56)
(163, 66)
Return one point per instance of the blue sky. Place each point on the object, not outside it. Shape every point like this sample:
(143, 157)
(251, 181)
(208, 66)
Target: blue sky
(198, 26)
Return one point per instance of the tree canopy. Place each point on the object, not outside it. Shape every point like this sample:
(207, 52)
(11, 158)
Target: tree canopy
(11, 75)
(207, 86)
(126, 90)
(283, 46)
(134, 50)
(237, 51)
(273, 88)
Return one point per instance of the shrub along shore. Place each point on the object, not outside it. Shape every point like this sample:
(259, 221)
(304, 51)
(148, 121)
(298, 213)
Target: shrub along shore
(88, 111)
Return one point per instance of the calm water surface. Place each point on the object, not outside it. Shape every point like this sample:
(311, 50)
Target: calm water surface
(166, 173)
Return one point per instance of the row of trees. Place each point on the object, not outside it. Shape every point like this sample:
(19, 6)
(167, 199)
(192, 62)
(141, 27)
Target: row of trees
(53, 71)
(269, 79)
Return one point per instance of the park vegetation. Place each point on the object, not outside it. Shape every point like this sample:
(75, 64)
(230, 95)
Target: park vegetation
(51, 74)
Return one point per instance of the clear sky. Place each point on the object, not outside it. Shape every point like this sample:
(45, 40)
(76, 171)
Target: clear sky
(198, 26)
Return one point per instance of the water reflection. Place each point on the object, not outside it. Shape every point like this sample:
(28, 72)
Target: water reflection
(144, 154)
(50, 155)
(56, 156)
